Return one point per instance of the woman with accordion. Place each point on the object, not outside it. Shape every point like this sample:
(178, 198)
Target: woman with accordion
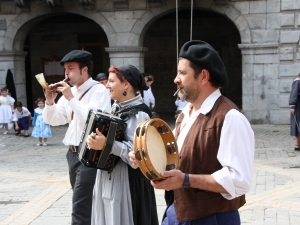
(123, 196)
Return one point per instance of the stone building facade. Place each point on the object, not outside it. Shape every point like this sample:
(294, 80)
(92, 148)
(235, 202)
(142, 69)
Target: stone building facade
(257, 39)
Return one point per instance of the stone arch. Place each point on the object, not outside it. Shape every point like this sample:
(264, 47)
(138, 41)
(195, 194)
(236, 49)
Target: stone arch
(141, 26)
(156, 58)
(18, 28)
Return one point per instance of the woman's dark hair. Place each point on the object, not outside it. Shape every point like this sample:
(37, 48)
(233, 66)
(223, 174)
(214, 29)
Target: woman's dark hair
(18, 104)
(115, 70)
(88, 64)
(40, 100)
(197, 70)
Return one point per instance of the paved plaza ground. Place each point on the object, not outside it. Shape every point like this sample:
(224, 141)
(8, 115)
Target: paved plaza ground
(35, 189)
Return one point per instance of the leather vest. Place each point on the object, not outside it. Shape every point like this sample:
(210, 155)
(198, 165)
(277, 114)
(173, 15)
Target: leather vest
(199, 156)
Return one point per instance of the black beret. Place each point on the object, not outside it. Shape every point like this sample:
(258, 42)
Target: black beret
(144, 74)
(206, 57)
(149, 79)
(101, 76)
(76, 56)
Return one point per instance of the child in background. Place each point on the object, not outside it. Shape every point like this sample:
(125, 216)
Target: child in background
(180, 103)
(6, 108)
(41, 129)
(21, 119)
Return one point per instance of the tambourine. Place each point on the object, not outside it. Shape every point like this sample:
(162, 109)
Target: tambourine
(155, 148)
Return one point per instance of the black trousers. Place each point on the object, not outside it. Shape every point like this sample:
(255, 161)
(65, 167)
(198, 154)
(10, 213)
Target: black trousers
(82, 180)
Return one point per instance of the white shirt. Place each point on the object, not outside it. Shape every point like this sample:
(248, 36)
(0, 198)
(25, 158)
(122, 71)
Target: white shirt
(149, 98)
(60, 113)
(180, 104)
(236, 150)
(18, 115)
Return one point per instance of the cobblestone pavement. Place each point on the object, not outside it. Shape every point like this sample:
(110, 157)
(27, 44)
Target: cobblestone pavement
(35, 189)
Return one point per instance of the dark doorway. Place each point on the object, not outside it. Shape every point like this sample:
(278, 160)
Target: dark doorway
(48, 42)
(161, 59)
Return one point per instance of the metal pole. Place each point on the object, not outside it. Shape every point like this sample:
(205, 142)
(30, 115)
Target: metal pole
(177, 33)
(192, 6)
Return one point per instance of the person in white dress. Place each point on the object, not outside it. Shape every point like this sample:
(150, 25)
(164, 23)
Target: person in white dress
(6, 108)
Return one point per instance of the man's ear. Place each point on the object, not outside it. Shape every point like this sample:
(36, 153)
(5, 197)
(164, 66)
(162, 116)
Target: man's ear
(85, 68)
(205, 76)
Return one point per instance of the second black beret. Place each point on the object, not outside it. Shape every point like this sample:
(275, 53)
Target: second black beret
(206, 57)
(76, 56)
(101, 76)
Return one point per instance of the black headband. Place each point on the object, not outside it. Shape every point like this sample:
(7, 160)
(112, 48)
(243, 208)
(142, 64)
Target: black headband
(133, 76)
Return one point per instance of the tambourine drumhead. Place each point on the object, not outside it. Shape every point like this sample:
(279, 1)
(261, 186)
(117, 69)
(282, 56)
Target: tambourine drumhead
(155, 148)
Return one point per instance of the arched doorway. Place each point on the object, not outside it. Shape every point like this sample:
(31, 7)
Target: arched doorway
(161, 59)
(49, 40)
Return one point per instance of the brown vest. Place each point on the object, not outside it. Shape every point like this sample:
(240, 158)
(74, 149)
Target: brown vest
(199, 156)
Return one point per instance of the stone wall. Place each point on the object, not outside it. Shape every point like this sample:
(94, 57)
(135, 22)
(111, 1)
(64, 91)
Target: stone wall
(267, 53)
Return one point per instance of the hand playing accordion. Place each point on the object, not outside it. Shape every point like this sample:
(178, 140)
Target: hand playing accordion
(96, 140)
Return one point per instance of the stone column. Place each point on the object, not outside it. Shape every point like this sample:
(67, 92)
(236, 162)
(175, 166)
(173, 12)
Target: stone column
(260, 91)
(15, 61)
(127, 55)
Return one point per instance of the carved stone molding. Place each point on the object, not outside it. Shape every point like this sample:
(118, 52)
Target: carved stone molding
(257, 49)
(12, 55)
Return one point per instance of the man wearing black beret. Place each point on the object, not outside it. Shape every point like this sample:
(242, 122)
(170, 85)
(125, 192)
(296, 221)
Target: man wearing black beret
(215, 143)
(102, 78)
(73, 108)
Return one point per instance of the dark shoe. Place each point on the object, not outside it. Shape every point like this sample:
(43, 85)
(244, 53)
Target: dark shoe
(297, 148)
(17, 133)
(26, 135)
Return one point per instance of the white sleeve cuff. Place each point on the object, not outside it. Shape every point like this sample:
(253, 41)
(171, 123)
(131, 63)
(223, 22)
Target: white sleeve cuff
(223, 178)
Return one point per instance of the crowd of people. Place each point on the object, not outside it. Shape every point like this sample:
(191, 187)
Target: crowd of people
(215, 141)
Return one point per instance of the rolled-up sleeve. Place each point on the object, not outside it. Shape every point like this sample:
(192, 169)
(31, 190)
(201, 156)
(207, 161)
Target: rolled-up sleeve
(236, 155)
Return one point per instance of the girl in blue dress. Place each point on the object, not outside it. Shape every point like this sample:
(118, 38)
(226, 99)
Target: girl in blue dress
(41, 130)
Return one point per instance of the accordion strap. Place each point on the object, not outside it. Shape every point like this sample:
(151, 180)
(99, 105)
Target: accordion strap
(81, 98)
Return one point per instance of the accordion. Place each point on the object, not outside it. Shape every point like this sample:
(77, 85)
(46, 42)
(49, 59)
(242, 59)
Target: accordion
(110, 126)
